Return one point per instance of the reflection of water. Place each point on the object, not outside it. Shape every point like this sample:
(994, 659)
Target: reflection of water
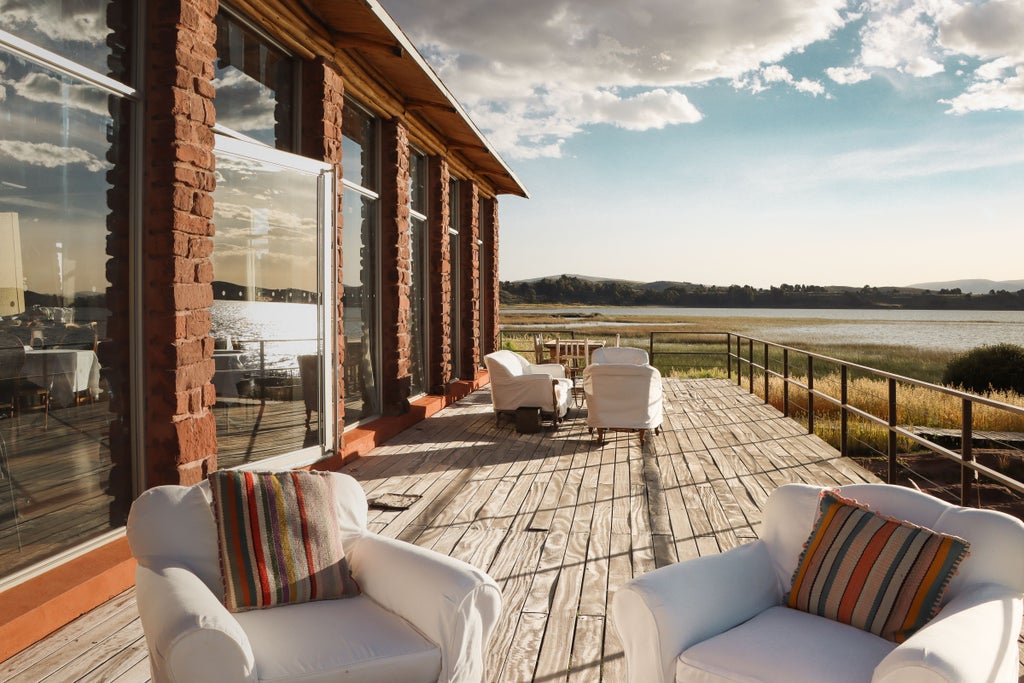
(939, 330)
(286, 330)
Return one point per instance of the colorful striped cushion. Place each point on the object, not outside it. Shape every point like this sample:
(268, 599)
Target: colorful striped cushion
(876, 573)
(278, 538)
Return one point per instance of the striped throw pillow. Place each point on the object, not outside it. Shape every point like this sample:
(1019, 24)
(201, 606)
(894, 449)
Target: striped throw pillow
(878, 574)
(278, 538)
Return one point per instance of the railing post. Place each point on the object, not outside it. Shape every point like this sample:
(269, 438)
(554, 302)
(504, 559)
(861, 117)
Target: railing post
(785, 382)
(650, 348)
(739, 366)
(766, 373)
(750, 365)
(844, 417)
(891, 473)
(728, 354)
(967, 452)
(810, 394)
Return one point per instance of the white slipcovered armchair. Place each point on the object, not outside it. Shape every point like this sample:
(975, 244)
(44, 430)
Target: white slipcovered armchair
(517, 383)
(422, 616)
(623, 396)
(721, 617)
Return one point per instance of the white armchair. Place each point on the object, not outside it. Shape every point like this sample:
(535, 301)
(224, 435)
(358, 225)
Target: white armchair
(422, 616)
(517, 383)
(623, 397)
(721, 617)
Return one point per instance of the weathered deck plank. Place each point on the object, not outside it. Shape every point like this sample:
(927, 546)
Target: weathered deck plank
(559, 521)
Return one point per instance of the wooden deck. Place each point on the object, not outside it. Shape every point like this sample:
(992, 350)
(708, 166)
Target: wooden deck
(557, 520)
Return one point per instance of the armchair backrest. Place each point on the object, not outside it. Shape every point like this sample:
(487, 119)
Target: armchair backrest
(174, 526)
(505, 364)
(619, 354)
(997, 539)
(623, 395)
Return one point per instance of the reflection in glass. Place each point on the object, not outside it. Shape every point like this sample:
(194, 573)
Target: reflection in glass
(358, 147)
(359, 275)
(266, 292)
(59, 215)
(254, 82)
(94, 33)
(418, 285)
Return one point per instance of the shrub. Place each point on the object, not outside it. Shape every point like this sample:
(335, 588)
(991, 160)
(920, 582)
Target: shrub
(986, 368)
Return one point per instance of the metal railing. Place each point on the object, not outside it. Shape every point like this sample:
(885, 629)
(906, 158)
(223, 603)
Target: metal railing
(764, 365)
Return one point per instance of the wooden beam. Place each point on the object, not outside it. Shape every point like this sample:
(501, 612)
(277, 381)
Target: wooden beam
(413, 104)
(363, 42)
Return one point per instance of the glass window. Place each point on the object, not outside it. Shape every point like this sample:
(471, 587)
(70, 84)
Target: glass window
(255, 85)
(266, 317)
(360, 264)
(359, 147)
(93, 33)
(64, 208)
(417, 258)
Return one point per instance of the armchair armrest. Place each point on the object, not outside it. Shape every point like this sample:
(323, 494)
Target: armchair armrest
(191, 635)
(662, 613)
(973, 638)
(553, 369)
(452, 603)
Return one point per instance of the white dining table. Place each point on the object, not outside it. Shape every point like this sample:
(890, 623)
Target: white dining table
(65, 372)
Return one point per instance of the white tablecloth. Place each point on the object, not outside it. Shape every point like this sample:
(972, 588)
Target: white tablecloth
(64, 372)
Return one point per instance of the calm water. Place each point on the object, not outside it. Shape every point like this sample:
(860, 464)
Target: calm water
(941, 330)
(286, 330)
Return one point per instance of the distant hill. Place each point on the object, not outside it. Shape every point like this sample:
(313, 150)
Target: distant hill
(595, 291)
(977, 286)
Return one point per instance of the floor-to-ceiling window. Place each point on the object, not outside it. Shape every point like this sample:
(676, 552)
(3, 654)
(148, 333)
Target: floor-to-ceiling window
(418, 283)
(67, 104)
(483, 249)
(360, 266)
(272, 260)
(269, 261)
(454, 275)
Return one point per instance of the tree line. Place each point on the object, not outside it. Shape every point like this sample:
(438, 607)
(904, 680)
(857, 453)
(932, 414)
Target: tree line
(567, 289)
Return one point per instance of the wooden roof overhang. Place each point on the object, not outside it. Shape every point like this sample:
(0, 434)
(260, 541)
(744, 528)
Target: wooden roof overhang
(382, 66)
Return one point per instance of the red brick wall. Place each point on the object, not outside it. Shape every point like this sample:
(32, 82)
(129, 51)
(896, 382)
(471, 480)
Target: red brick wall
(489, 279)
(323, 101)
(180, 434)
(396, 268)
(439, 364)
(469, 271)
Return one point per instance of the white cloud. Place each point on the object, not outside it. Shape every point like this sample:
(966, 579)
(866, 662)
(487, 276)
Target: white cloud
(50, 156)
(847, 75)
(990, 31)
(545, 71)
(41, 87)
(776, 73)
(59, 21)
(987, 95)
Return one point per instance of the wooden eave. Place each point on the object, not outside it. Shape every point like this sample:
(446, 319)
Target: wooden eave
(364, 29)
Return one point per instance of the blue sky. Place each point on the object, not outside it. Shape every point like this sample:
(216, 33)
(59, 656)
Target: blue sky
(746, 141)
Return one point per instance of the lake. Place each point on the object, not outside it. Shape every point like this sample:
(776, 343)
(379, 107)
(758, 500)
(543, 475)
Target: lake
(939, 330)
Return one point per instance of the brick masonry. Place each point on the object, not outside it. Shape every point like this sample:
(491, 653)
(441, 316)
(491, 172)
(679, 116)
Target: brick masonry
(469, 271)
(180, 435)
(396, 268)
(439, 364)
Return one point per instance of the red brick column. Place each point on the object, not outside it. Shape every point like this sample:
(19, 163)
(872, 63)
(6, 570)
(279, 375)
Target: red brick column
(439, 362)
(180, 434)
(469, 271)
(396, 268)
(489, 278)
(323, 100)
